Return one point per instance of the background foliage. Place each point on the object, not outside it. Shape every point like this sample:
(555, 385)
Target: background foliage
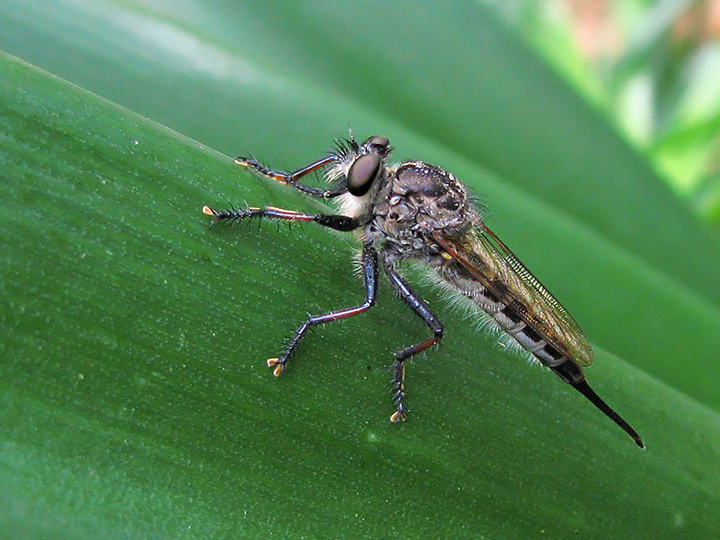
(653, 67)
(135, 396)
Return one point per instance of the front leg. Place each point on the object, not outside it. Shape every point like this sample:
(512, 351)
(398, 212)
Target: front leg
(293, 179)
(333, 221)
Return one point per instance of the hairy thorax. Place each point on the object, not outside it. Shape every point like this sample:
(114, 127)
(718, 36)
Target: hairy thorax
(416, 200)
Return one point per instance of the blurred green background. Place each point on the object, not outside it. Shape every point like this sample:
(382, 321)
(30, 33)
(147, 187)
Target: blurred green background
(136, 402)
(653, 68)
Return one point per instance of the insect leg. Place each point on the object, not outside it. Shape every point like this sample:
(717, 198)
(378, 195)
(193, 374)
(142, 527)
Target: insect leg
(292, 179)
(421, 309)
(334, 221)
(370, 270)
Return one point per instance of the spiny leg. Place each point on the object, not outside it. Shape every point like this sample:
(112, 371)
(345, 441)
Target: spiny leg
(421, 309)
(369, 261)
(292, 179)
(333, 221)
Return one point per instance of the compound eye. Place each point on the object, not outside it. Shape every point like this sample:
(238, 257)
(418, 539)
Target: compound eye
(362, 173)
(378, 144)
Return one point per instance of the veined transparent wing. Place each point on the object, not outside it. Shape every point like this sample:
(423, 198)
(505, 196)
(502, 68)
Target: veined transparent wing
(497, 269)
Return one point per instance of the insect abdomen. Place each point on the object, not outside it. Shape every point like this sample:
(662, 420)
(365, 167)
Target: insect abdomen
(507, 313)
(511, 322)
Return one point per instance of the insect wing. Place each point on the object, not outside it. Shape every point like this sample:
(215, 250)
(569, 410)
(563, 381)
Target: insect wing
(497, 269)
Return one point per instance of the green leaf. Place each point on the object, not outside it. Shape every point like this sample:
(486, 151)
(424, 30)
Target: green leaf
(282, 84)
(136, 399)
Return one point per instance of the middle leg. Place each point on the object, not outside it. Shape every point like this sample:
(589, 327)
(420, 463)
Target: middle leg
(370, 271)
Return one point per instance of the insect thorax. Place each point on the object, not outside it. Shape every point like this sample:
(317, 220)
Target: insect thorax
(414, 200)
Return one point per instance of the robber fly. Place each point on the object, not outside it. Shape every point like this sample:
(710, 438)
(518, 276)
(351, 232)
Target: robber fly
(414, 210)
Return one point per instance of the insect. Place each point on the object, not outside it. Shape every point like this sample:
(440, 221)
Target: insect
(414, 210)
